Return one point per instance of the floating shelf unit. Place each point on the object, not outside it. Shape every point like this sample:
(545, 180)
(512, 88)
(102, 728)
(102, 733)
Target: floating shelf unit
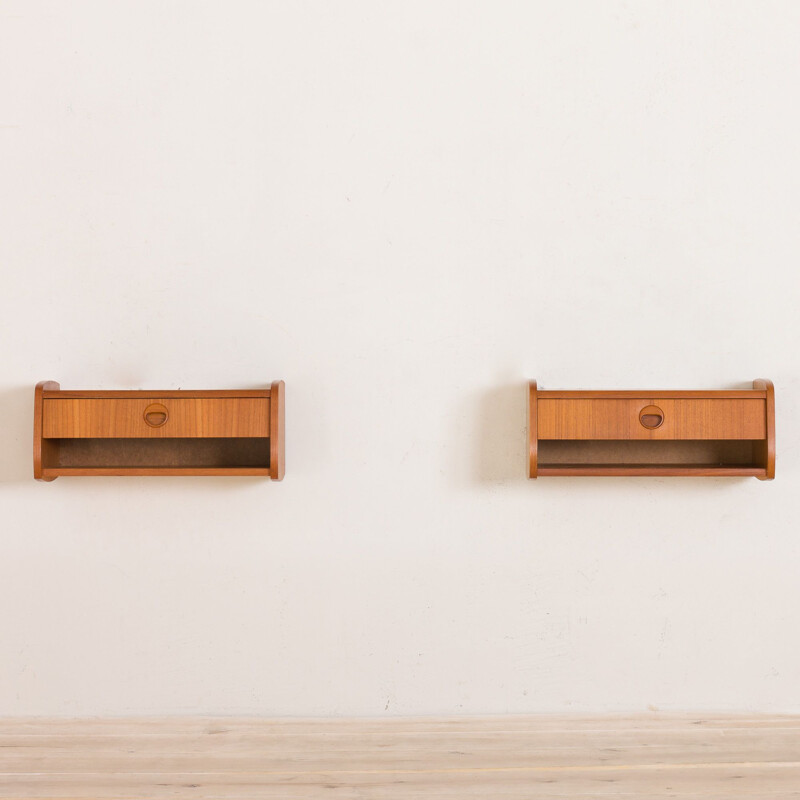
(683, 433)
(231, 432)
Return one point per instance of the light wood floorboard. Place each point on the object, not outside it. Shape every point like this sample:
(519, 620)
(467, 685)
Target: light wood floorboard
(510, 758)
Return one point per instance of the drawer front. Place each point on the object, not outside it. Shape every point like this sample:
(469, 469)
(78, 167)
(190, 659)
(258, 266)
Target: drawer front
(151, 417)
(651, 418)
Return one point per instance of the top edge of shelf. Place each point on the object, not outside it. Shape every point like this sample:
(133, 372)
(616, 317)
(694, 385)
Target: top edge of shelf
(575, 394)
(145, 393)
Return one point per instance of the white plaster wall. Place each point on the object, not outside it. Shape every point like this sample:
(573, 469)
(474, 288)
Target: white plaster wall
(405, 210)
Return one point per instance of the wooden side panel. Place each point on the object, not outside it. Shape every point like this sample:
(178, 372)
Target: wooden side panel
(43, 451)
(533, 431)
(277, 427)
(766, 448)
(602, 418)
(125, 418)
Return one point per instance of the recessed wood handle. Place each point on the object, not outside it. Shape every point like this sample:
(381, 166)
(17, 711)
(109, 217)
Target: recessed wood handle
(651, 417)
(156, 415)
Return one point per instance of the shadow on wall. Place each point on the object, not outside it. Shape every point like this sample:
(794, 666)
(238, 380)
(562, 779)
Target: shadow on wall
(16, 435)
(501, 439)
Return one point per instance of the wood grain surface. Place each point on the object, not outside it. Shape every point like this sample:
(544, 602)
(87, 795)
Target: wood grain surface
(43, 451)
(533, 431)
(767, 447)
(124, 418)
(136, 394)
(277, 426)
(619, 418)
(516, 758)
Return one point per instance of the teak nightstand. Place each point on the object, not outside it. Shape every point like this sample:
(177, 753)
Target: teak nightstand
(707, 433)
(158, 433)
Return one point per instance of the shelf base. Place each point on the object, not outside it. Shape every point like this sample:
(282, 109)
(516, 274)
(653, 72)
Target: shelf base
(64, 472)
(649, 470)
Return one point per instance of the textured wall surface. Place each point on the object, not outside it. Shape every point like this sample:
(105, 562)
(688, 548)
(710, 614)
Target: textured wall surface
(405, 210)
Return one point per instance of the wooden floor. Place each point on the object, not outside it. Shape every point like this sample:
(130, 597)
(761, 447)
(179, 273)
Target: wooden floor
(509, 758)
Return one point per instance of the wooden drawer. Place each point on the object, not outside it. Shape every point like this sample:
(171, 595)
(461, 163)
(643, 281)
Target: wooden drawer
(154, 417)
(601, 418)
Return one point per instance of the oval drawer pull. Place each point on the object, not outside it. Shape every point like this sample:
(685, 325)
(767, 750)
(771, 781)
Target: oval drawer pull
(651, 417)
(156, 415)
